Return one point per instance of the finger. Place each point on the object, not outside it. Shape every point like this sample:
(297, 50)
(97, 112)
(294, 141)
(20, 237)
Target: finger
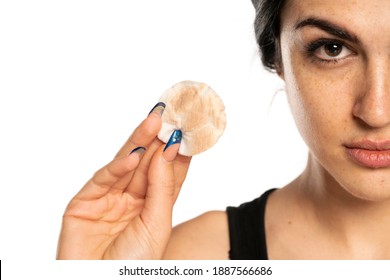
(138, 184)
(107, 177)
(181, 166)
(157, 213)
(146, 132)
(139, 180)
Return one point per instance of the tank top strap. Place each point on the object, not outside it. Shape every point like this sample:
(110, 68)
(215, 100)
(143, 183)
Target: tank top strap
(247, 229)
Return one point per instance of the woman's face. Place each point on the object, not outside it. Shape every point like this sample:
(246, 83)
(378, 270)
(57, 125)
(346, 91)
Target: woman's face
(336, 66)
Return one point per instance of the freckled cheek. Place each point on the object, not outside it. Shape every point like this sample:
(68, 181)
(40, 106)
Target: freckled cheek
(318, 104)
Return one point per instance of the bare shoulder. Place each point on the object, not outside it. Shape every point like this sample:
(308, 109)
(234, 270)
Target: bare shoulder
(204, 237)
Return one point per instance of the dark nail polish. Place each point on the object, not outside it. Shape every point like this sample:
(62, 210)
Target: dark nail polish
(175, 139)
(138, 150)
(158, 108)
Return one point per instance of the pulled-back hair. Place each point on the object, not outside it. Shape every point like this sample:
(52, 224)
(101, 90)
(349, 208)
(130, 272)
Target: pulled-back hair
(267, 31)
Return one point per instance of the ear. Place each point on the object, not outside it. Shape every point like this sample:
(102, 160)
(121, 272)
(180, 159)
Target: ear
(279, 70)
(278, 64)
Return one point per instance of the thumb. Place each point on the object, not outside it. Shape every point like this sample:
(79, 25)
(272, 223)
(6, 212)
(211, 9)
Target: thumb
(160, 194)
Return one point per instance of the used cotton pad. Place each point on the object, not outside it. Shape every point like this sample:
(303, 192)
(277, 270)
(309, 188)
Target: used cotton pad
(196, 110)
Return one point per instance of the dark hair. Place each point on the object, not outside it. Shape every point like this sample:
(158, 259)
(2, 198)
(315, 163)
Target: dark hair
(267, 31)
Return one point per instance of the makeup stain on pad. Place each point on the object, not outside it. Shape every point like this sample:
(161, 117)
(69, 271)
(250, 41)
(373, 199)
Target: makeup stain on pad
(196, 110)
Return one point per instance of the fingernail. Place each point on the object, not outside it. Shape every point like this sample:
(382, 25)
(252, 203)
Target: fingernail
(158, 108)
(175, 139)
(138, 150)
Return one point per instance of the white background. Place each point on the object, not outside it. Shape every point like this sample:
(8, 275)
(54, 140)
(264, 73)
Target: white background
(76, 77)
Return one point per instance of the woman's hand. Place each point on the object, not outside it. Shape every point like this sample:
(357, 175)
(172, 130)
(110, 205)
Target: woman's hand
(125, 210)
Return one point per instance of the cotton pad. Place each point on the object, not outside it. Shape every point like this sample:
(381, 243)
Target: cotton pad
(196, 110)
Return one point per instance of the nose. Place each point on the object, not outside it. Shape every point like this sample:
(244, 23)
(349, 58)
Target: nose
(373, 103)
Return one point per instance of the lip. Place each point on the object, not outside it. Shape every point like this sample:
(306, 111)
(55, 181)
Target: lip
(371, 154)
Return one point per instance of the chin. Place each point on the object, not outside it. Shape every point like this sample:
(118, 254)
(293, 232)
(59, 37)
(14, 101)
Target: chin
(368, 185)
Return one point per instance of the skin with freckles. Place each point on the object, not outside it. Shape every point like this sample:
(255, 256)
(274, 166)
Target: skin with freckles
(341, 99)
(335, 64)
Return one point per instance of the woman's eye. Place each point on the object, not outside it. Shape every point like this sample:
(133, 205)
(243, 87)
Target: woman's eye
(332, 51)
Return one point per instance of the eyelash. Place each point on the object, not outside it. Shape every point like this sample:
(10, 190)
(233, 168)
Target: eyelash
(312, 47)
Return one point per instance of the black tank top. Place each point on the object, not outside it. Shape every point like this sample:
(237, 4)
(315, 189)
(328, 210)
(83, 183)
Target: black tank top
(247, 230)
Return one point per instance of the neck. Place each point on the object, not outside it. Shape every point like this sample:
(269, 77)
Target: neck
(354, 222)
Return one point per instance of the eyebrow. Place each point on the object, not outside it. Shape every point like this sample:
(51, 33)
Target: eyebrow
(327, 27)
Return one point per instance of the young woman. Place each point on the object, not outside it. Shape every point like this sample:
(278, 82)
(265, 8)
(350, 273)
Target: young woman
(334, 57)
